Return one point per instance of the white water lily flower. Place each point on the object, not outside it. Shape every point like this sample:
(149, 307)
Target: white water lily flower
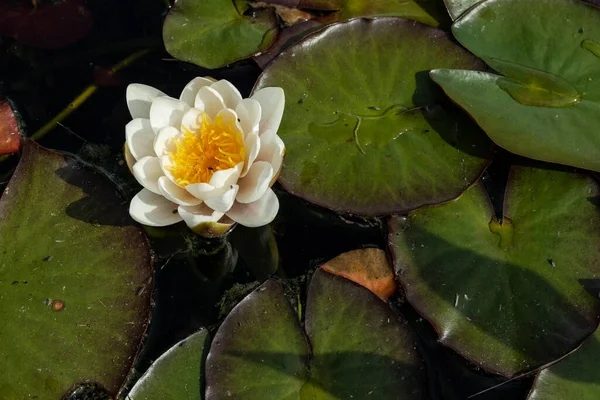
(209, 158)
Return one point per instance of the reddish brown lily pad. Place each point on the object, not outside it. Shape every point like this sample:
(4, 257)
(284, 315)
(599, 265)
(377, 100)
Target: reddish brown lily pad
(369, 268)
(10, 138)
(48, 26)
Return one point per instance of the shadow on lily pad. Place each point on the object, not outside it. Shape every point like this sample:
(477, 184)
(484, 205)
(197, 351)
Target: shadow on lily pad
(97, 191)
(495, 313)
(354, 363)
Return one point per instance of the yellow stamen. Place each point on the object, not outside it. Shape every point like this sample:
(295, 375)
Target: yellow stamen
(215, 146)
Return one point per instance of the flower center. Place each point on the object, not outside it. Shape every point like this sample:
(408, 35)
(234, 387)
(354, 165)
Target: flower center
(215, 146)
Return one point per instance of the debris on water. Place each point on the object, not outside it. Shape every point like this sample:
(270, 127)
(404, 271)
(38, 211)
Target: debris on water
(58, 305)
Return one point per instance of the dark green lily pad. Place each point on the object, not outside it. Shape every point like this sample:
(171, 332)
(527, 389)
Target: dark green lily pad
(260, 331)
(366, 132)
(177, 374)
(214, 33)
(508, 295)
(575, 377)
(359, 347)
(75, 280)
(546, 105)
(456, 8)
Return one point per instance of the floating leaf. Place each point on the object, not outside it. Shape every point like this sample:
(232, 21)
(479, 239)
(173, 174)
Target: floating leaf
(260, 351)
(367, 267)
(575, 377)
(359, 347)
(75, 280)
(549, 107)
(263, 323)
(426, 12)
(214, 33)
(507, 294)
(177, 374)
(365, 132)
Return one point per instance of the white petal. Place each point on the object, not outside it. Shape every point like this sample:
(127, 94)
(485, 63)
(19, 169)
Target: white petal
(147, 171)
(273, 154)
(129, 159)
(256, 183)
(272, 103)
(209, 101)
(231, 96)
(220, 182)
(259, 213)
(248, 112)
(140, 137)
(192, 120)
(190, 90)
(167, 111)
(252, 144)
(223, 202)
(139, 97)
(164, 140)
(267, 137)
(153, 210)
(197, 215)
(165, 163)
(229, 116)
(226, 177)
(175, 193)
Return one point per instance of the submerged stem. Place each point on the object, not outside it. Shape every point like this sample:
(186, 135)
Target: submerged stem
(83, 96)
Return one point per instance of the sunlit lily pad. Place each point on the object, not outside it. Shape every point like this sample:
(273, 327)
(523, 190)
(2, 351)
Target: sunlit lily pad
(75, 280)
(178, 374)
(367, 132)
(214, 33)
(261, 352)
(426, 12)
(507, 295)
(575, 377)
(547, 103)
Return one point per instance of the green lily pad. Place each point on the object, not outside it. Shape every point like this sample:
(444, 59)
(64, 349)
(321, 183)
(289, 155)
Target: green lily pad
(456, 8)
(214, 33)
(75, 280)
(506, 294)
(426, 12)
(359, 347)
(263, 323)
(575, 377)
(546, 105)
(368, 132)
(178, 374)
